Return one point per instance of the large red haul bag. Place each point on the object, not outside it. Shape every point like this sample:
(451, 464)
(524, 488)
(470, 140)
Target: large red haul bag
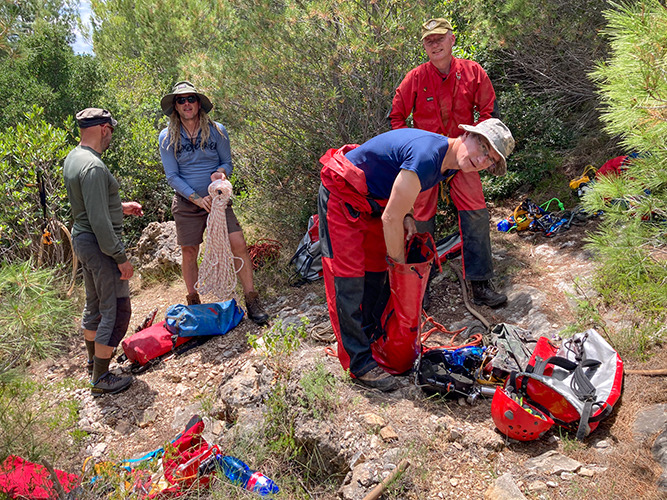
(150, 343)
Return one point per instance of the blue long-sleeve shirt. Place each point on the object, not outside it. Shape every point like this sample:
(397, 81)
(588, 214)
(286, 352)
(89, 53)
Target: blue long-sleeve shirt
(189, 169)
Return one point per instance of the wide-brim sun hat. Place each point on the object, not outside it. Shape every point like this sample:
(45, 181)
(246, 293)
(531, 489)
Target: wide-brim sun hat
(184, 87)
(500, 138)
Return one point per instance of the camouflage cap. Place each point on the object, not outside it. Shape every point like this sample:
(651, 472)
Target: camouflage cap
(500, 138)
(437, 26)
(90, 117)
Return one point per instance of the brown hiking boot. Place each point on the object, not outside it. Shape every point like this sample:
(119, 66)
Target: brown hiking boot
(193, 298)
(377, 378)
(484, 295)
(110, 383)
(255, 310)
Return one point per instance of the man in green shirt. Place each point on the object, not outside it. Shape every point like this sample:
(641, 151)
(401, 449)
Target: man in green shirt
(98, 221)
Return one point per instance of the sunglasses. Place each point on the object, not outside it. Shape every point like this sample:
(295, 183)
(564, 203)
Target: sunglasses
(182, 100)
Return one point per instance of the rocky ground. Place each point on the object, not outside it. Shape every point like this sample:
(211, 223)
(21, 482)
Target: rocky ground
(350, 438)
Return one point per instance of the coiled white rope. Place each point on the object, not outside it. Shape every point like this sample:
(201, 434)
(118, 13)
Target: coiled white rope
(216, 272)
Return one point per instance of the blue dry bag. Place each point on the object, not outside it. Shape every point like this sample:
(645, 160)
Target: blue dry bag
(216, 318)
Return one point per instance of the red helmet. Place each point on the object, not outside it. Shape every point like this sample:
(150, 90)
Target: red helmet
(520, 422)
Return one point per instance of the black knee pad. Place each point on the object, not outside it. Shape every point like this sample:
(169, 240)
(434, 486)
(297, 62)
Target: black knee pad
(123, 314)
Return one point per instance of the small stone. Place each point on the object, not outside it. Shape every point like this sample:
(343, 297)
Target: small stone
(375, 442)
(347, 435)
(567, 476)
(552, 484)
(443, 423)
(388, 434)
(603, 444)
(193, 374)
(373, 420)
(456, 434)
(458, 446)
(124, 428)
(98, 450)
(585, 472)
(551, 462)
(357, 458)
(217, 427)
(504, 488)
(537, 486)
(454, 482)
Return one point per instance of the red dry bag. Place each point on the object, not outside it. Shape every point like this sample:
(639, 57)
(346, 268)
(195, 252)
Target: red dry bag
(399, 342)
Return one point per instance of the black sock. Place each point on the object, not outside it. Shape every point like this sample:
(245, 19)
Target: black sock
(100, 368)
(90, 347)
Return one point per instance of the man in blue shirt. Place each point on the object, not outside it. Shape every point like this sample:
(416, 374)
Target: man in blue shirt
(365, 209)
(195, 150)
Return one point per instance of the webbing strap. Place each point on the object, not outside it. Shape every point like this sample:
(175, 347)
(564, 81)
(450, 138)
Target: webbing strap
(584, 429)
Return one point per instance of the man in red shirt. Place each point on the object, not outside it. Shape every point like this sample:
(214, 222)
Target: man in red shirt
(441, 95)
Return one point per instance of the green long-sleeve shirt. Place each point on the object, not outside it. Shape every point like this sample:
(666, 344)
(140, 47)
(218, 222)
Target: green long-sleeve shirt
(95, 200)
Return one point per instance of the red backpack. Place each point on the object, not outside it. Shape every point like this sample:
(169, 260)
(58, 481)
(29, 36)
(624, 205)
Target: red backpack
(576, 386)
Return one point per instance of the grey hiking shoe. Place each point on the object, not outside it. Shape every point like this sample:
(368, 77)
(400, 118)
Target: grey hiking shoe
(255, 310)
(484, 295)
(110, 383)
(377, 378)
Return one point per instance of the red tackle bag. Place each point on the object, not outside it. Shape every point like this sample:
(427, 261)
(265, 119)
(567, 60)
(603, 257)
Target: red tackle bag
(151, 343)
(399, 340)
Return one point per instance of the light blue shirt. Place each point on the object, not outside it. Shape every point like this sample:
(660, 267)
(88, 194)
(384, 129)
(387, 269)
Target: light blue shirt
(189, 168)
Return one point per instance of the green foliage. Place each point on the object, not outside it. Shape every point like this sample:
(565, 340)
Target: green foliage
(633, 85)
(541, 137)
(547, 46)
(34, 314)
(132, 94)
(31, 146)
(279, 341)
(300, 78)
(320, 394)
(28, 419)
(627, 272)
(279, 422)
(38, 65)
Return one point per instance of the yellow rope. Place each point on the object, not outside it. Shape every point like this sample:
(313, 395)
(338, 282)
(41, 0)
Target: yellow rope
(216, 273)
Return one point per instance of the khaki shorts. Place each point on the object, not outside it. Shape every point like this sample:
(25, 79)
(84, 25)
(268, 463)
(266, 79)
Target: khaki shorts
(191, 221)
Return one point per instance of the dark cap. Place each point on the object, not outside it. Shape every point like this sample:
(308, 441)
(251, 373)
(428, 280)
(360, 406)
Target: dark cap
(90, 117)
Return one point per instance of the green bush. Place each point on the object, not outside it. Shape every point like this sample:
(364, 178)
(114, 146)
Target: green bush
(30, 147)
(33, 424)
(631, 241)
(35, 316)
(320, 392)
(541, 140)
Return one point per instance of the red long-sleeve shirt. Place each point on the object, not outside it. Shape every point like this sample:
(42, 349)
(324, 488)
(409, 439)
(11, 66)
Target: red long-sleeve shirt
(441, 103)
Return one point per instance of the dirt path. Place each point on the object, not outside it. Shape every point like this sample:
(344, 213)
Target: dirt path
(455, 452)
